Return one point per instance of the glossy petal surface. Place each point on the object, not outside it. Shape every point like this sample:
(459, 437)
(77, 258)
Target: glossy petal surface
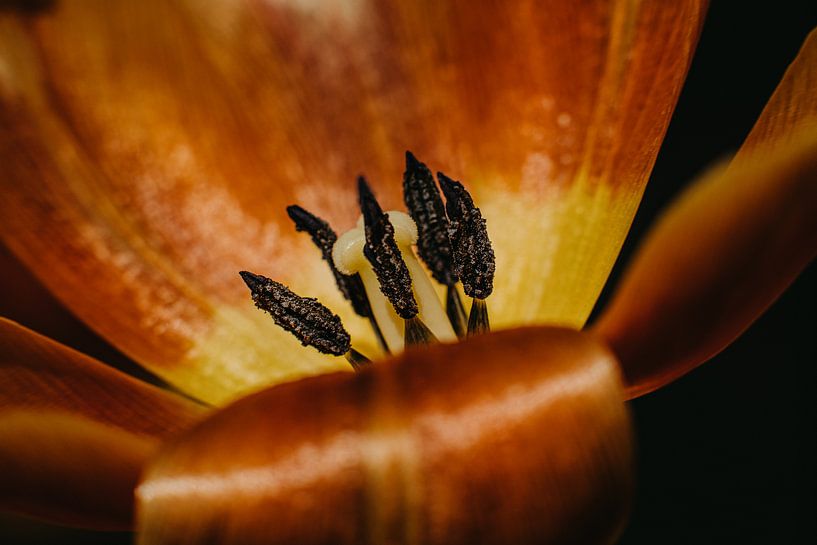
(74, 434)
(151, 147)
(515, 437)
(725, 251)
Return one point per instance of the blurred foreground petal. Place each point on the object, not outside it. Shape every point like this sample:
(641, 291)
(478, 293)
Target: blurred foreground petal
(75, 433)
(70, 469)
(718, 258)
(150, 148)
(520, 436)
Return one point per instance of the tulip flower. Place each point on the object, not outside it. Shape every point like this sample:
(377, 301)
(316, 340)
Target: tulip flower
(150, 150)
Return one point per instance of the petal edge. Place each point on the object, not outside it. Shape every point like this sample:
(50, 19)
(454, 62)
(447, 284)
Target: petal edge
(716, 260)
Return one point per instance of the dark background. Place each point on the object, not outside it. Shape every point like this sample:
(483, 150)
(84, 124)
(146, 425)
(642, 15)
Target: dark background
(726, 454)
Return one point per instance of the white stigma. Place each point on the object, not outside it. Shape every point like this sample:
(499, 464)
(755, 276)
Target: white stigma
(349, 259)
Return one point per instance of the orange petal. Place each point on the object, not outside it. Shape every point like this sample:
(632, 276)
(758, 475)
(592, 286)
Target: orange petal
(730, 246)
(23, 299)
(37, 373)
(70, 469)
(791, 109)
(714, 263)
(151, 147)
(74, 433)
(516, 437)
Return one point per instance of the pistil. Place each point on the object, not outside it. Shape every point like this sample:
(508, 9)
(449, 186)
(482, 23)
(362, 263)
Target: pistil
(391, 270)
(382, 252)
(349, 258)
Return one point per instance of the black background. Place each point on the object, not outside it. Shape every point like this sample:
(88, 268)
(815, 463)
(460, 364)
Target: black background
(727, 453)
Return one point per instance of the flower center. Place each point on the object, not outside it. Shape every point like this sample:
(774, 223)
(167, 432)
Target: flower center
(377, 271)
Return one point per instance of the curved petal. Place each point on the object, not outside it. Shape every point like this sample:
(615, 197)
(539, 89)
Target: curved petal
(70, 469)
(516, 437)
(730, 246)
(153, 146)
(792, 108)
(38, 374)
(74, 434)
(23, 299)
(715, 262)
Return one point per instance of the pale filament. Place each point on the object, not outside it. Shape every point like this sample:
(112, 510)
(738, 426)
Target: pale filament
(349, 259)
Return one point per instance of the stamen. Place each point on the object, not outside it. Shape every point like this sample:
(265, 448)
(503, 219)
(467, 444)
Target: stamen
(376, 270)
(351, 286)
(382, 252)
(308, 320)
(426, 208)
(474, 261)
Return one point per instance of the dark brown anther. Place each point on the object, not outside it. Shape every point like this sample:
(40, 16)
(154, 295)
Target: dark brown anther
(426, 208)
(473, 255)
(311, 322)
(382, 252)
